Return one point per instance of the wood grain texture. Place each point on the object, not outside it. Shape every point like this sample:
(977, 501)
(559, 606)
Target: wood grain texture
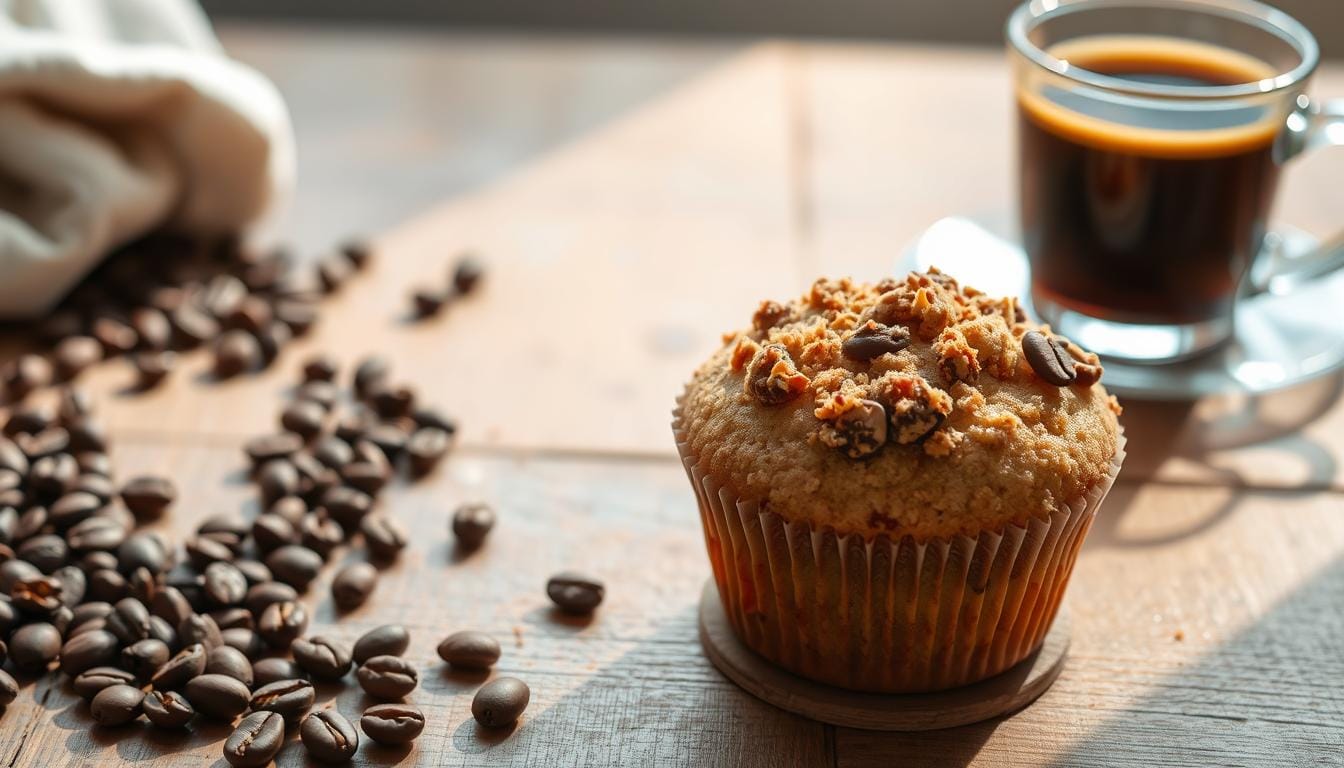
(622, 236)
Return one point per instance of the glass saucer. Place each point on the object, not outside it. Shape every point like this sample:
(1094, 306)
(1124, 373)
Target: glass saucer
(1280, 340)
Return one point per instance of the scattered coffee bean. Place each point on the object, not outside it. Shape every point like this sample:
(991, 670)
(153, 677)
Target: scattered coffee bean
(470, 650)
(333, 271)
(116, 337)
(261, 595)
(291, 699)
(320, 368)
(218, 697)
(151, 368)
(200, 629)
(227, 660)
(274, 669)
(426, 448)
(224, 585)
(261, 450)
(188, 664)
(74, 354)
(1048, 359)
(428, 301)
(236, 352)
(370, 372)
(392, 724)
(142, 550)
(147, 497)
(152, 328)
(294, 565)
(500, 702)
(97, 648)
(88, 683)
(329, 737)
(472, 523)
(575, 593)
(281, 623)
(25, 374)
(245, 641)
(167, 709)
(129, 621)
(9, 691)
(353, 584)
(255, 741)
(33, 647)
(277, 478)
(387, 640)
(384, 536)
(347, 506)
(358, 252)
(304, 418)
(321, 658)
(467, 274)
(143, 658)
(387, 677)
(116, 705)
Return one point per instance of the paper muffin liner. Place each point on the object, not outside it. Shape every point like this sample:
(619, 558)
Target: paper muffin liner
(887, 615)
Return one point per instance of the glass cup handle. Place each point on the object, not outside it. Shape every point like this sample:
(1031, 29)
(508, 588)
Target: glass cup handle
(1311, 125)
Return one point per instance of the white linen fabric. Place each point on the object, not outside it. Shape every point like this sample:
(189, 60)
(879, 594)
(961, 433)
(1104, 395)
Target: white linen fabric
(118, 117)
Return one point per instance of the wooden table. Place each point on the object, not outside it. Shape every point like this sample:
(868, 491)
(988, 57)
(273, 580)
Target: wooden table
(633, 199)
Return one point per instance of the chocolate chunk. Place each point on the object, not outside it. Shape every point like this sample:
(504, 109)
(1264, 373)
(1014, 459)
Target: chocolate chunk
(858, 432)
(874, 340)
(772, 377)
(1048, 359)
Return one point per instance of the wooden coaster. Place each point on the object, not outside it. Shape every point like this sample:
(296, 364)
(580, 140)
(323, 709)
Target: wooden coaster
(999, 695)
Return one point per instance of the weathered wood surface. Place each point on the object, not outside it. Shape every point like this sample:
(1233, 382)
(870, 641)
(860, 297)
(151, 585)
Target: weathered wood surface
(634, 199)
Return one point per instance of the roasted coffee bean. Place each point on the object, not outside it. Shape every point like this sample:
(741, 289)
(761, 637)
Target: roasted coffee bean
(390, 439)
(48, 442)
(218, 697)
(99, 623)
(93, 463)
(225, 660)
(191, 326)
(273, 669)
(46, 552)
(320, 533)
(370, 372)
(52, 476)
(278, 478)
(320, 367)
(29, 420)
(187, 664)
(232, 541)
(147, 497)
(469, 650)
(142, 550)
(151, 368)
(384, 536)
(143, 585)
(74, 354)
(74, 507)
(353, 426)
(87, 650)
(74, 584)
(328, 737)
(60, 619)
(268, 447)
(25, 374)
(88, 683)
(281, 623)
(167, 709)
(574, 592)
(223, 585)
(358, 252)
(162, 630)
(392, 724)
(334, 452)
(86, 435)
(255, 741)
(170, 605)
(98, 486)
(304, 418)
(347, 506)
(261, 595)
(95, 533)
(291, 699)
(38, 597)
(321, 658)
(116, 705)
(252, 314)
(429, 417)
(500, 702)
(467, 274)
(299, 315)
(254, 571)
(387, 677)
(1048, 359)
(224, 522)
(315, 478)
(353, 584)
(369, 477)
(143, 658)
(333, 270)
(14, 571)
(116, 337)
(236, 352)
(428, 301)
(232, 618)
(89, 611)
(391, 402)
(106, 585)
(204, 550)
(9, 691)
(271, 531)
(387, 640)
(294, 565)
(426, 448)
(472, 523)
(199, 629)
(324, 393)
(129, 620)
(245, 641)
(222, 295)
(152, 326)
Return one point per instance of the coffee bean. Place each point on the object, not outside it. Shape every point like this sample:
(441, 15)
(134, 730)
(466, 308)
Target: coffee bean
(25, 374)
(95, 533)
(315, 478)
(46, 552)
(328, 737)
(86, 612)
(38, 597)
(254, 571)
(369, 475)
(281, 623)
(261, 595)
(472, 523)
(333, 271)
(48, 442)
(204, 550)
(353, 584)
(93, 463)
(14, 571)
(426, 448)
(200, 629)
(224, 585)
(574, 592)
(60, 619)
(116, 705)
(371, 371)
(129, 621)
(106, 585)
(142, 550)
(321, 658)
(251, 313)
(234, 617)
(392, 724)
(384, 537)
(13, 458)
(142, 658)
(334, 452)
(299, 315)
(294, 565)
(218, 697)
(152, 327)
(29, 419)
(270, 670)
(500, 702)
(255, 741)
(245, 641)
(353, 426)
(86, 435)
(428, 301)
(9, 691)
(147, 497)
(192, 326)
(347, 506)
(391, 402)
(469, 650)
(167, 709)
(74, 584)
(74, 354)
(116, 337)
(52, 476)
(87, 650)
(226, 660)
(170, 605)
(1048, 359)
(74, 507)
(358, 252)
(390, 439)
(321, 534)
(88, 683)
(321, 367)
(277, 478)
(270, 531)
(291, 699)
(304, 418)
(261, 450)
(151, 368)
(387, 677)
(236, 352)
(324, 393)
(98, 486)
(467, 274)
(387, 640)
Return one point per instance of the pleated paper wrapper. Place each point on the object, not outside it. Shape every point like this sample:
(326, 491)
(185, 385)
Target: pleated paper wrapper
(887, 615)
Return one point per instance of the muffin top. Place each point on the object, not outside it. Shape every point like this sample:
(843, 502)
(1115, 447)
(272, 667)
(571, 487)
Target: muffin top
(910, 407)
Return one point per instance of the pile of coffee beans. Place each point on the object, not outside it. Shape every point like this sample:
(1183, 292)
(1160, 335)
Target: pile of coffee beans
(165, 294)
(466, 275)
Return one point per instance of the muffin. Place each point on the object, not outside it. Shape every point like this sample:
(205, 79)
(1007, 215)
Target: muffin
(895, 479)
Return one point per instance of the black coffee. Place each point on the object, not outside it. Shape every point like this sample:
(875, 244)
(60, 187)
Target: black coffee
(1155, 223)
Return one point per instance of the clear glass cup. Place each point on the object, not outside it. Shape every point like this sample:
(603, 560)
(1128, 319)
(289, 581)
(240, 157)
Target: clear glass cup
(1151, 134)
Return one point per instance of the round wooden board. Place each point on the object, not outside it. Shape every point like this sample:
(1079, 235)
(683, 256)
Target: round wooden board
(999, 695)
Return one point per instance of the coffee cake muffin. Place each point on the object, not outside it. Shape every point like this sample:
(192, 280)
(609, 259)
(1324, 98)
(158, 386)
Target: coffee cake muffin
(894, 479)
